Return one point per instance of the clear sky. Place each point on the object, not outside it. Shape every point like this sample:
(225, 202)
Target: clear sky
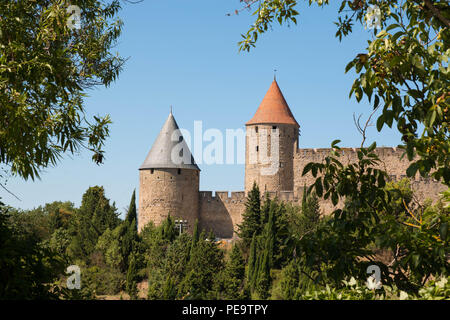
(185, 54)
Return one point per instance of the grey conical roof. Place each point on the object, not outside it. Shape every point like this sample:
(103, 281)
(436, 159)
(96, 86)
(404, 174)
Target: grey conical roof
(160, 155)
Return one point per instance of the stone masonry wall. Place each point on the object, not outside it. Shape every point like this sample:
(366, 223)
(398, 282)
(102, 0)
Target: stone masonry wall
(258, 157)
(221, 213)
(392, 162)
(164, 191)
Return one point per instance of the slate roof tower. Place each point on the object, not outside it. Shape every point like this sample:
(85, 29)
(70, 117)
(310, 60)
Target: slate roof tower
(168, 179)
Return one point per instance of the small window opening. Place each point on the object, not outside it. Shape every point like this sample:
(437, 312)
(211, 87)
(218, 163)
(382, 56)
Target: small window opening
(274, 127)
(152, 171)
(256, 129)
(179, 171)
(257, 148)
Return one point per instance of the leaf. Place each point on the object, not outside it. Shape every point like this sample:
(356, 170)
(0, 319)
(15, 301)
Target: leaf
(397, 35)
(412, 170)
(334, 143)
(381, 34)
(319, 187)
(349, 66)
(392, 26)
(380, 123)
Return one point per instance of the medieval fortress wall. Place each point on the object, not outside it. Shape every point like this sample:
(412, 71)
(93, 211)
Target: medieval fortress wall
(223, 212)
(173, 188)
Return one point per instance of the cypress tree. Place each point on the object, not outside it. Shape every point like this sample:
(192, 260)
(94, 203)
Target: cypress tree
(168, 231)
(251, 218)
(234, 275)
(310, 211)
(263, 278)
(132, 214)
(252, 262)
(269, 236)
(128, 232)
(265, 257)
(131, 285)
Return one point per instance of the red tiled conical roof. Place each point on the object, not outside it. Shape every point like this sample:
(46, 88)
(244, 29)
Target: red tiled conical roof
(273, 108)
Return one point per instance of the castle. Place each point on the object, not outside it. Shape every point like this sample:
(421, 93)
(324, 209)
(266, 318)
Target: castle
(170, 186)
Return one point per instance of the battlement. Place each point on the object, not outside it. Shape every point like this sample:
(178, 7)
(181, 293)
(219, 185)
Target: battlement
(223, 196)
(322, 152)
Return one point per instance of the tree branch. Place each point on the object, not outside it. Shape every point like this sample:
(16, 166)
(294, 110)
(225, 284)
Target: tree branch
(437, 13)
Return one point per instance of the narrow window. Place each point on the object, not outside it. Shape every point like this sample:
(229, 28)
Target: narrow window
(256, 129)
(274, 127)
(179, 171)
(152, 170)
(257, 148)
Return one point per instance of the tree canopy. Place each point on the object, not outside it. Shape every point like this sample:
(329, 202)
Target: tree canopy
(46, 66)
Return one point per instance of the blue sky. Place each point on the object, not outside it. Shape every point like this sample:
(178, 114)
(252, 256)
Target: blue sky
(185, 54)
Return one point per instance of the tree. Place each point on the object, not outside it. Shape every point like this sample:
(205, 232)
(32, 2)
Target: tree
(251, 219)
(404, 70)
(233, 276)
(94, 216)
(132, 214)
(29, 269)
(310, 212)
(195, 236)
(369, 220)
(131, 286)
(252, 264)
(46, 66)
(263, 279)
(205, 264)
(128, 232)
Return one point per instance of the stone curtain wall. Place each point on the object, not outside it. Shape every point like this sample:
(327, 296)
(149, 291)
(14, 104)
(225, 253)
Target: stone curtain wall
(166, 191)
(392, 162)
(221, 213)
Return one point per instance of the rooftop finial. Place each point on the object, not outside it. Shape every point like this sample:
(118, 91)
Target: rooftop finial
(170, 109)
(274, 74)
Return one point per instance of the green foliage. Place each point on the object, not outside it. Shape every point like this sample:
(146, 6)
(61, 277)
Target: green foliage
(252, 264)
(45, 69)
(251, 218)
(352, 290)
(93, 218)
(131, 284)
(205, 264)
(109, 244)
(129, 233)
(132, 214)
(231, 283)
(372, 218)
(168, 231)
(29, 269)
(102, 280)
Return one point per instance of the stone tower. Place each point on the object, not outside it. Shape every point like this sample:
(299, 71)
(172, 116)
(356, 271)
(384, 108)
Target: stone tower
(169, 180)
(271, 142)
